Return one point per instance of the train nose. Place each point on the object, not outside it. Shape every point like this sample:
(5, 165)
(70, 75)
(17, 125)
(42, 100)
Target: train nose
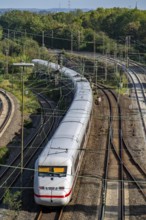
(58, 197)
(59, 201)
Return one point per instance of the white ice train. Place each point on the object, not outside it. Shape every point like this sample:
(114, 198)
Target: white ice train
(57, 166)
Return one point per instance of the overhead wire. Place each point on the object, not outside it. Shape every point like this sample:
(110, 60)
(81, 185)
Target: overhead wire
(45, 36)
(87, 176)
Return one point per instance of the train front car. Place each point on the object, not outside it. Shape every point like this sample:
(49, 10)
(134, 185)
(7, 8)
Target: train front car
(53, 180)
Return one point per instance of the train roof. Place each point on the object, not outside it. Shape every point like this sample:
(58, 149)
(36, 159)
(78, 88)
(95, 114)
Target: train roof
(60, 149)
(78, 108)
(67, 138)
(66, 71)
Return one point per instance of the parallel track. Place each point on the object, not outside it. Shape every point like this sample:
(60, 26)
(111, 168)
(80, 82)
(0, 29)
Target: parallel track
(106, 183)
(137, 98)
(124, 167)
(9, 111)
(11, 173)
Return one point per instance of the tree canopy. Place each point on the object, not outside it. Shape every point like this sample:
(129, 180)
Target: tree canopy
(100, 30)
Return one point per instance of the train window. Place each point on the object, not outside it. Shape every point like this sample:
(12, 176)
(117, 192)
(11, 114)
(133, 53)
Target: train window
(59, 169)
(55, 171)
(76, 162)
(44, 169)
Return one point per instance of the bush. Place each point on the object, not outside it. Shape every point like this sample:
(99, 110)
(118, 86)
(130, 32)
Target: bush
(4, 152)
(13, 202)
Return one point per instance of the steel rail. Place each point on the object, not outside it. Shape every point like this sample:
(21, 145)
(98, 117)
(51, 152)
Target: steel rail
(1, 106)
(9, 111)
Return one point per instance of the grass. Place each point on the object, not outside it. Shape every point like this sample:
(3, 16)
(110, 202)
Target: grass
(13, 84)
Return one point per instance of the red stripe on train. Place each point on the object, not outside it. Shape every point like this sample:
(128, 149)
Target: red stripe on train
(53, 196)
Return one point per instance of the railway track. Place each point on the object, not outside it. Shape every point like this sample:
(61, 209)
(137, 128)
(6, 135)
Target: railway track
(11, 172)
(126, 164)
(131, 166)
(51, 213)
(5, 111)
(113, 168)
(140, 95)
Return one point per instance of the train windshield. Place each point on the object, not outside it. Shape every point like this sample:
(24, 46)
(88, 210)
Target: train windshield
(55, 171)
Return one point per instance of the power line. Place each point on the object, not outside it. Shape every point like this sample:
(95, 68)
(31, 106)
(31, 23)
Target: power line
(88, 176)
(23, 33)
